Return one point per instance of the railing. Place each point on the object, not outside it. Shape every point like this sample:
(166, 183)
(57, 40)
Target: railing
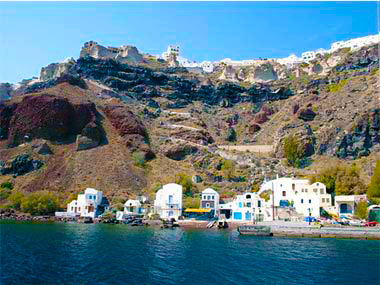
(171, 202)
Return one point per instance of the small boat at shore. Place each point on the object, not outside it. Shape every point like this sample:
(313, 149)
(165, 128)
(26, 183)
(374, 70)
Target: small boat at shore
(255, 230)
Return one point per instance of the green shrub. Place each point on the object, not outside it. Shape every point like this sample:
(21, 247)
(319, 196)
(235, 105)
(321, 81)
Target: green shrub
(138, 158)
(228, 168)
(336, 87)
(7, 185)
(374, 185)
(265, 195)
(293, 151)
(341, 179)
(40, 203)
(186, 183)
(191, 202)
(361, 210)
(15, 199)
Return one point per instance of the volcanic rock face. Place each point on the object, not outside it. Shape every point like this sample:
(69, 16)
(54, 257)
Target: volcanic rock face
(178, 151)
(130, 128)
(20, 165)
(47, 117)
(365, 136)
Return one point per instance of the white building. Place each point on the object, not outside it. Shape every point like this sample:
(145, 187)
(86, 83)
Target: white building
(168, 201)
(308, 55)
(346, 204)
(288, 61)
(305, 198)
(133, 207)
(245, 208)
(88, 204)
(355, 44)
(209, 199)
(172, 50)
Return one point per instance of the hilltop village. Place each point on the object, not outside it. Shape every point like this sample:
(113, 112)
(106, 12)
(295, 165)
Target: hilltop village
(144, 133)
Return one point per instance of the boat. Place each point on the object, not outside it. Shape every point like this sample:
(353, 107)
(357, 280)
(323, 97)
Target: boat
(222, 224)
(255, 230)
(88, 220)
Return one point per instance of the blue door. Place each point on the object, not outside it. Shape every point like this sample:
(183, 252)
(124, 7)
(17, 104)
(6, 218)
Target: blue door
(247, 216)
(238, 216)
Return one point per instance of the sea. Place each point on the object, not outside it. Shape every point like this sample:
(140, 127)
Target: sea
(59, 253)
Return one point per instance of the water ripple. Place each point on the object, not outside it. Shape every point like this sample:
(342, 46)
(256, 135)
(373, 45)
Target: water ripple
(119, 254)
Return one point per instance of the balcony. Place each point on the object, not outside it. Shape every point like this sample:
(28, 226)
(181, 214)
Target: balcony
(172, 202)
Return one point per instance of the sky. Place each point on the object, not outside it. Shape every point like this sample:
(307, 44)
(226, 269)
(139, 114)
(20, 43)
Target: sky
(33, 35)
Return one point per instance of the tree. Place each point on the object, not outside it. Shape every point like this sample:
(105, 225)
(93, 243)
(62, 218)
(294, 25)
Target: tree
(231, 137)
(15, 199)
(293, 151)
(186, 183)
(191, 202)
(139, 158)
(40, 203)
(361, 210)
(374, 185)
(348, 181)
(340, 178)
(228, 168)
(5, 190)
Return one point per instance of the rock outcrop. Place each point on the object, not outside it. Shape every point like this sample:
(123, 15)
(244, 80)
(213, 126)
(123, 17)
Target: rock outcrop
(123, 54)
(20, 165)
(47, 117)
(130, 128)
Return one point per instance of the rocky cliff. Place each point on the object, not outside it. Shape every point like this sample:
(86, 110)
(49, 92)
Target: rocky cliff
(111, 120)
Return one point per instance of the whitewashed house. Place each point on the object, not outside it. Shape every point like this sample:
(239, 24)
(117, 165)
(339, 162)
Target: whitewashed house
(171, 50)
(308, 55)
(209, 199)
(168, 201)
(89, 204)
(346, 204)
(133, 207)
(307, 199)
(244, 208)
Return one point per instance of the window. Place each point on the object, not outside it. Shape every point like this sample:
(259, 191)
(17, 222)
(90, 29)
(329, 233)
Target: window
(249, 204)
(302, 190)
(323, 200)
(72, 208)
(79, 209)
(293, 186)
(301, 201)
(315, 190)
(305, 190)
(212, 197)
(208, 197)
(204, 197)
(248, 196)
(259, 203)
(317, 184)
(327, 200)
(322, 191)
(309, 201)
(283, 193)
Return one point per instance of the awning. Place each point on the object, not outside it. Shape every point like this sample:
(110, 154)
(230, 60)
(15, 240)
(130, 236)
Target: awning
(190, 210)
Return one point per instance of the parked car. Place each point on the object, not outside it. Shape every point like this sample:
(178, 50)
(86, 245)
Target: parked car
(370, 224)
(356, 223)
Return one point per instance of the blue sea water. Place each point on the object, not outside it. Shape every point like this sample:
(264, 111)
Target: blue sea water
(41, 253)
